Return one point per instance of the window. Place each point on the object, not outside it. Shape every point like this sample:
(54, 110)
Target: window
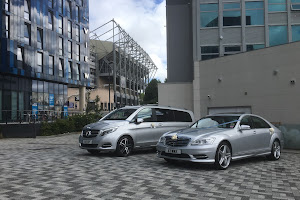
(77, 72)
(60, 6)
(39, 67)
(81, 3)
(70, 49)
(77, 52)
(70, 69)
(231, 50)
(6, 5)
(39, 38)
(251, 47)
(296, 33)
(209, 15)
(209, 52)
(69, 9)
(247, 121)
(164, 115)
(69, 29)
(20, 57)
(27, 33)
(277, 35)
(60, 24)
(60, 46)
(77, 36)
(7, 28)
(295, 4)
(277, 5)
(181, 116)
(51, 65)
(27, 9)
(39, 9)
(61, 68)
(50, 3)
(232, 14)
(50, 20)
(259, 123)
(77, 13)
(146, 115)
(255, 13)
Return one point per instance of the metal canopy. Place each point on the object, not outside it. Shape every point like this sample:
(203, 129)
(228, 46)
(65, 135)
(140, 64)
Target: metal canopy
(118, 55)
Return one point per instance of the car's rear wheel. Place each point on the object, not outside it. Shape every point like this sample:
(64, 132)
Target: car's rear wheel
(223, 156)
(275, 151)
(94, 152)
(124, 146)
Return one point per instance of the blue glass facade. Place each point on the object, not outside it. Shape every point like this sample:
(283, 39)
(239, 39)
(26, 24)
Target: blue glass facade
(44, 49)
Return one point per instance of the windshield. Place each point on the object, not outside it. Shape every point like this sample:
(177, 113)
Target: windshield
(216, 121)
(120, 114)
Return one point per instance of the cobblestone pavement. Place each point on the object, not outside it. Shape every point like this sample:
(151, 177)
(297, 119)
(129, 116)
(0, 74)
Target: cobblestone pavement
(55, 168)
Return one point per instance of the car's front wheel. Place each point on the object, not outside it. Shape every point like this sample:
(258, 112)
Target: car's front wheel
(275, 151)
(223, 156)
(124, 146)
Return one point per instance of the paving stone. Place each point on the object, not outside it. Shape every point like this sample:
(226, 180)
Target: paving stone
(54, 167)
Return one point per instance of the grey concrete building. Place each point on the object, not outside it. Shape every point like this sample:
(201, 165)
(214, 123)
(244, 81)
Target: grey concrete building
(263, 81)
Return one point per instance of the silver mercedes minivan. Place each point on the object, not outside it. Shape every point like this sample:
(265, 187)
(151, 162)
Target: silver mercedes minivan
(132, 127)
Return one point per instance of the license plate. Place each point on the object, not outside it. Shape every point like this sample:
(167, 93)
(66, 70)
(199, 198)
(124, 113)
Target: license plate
(87, 141)
(173, 151)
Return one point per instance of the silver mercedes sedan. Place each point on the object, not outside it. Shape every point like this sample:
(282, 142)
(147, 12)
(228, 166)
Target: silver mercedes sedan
(218, 139)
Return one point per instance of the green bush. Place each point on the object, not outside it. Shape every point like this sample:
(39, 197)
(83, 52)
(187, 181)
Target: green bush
(70, 124)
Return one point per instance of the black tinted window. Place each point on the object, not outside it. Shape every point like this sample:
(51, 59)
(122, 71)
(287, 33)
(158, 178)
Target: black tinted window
(164, 115)
(260, 123)
(181, 116)
(247, 121)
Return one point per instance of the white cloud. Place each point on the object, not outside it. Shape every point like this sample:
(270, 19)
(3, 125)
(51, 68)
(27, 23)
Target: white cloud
(143, 20)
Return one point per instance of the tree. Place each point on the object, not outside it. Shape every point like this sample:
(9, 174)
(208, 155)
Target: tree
(151, 92)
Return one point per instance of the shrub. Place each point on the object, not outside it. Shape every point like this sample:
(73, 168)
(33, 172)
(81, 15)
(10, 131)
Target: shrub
(70, 124)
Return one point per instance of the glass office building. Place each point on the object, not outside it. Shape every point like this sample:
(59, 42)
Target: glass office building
(44, 50)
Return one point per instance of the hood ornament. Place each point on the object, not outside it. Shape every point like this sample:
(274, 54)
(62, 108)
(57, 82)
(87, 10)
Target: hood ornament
(174, 137)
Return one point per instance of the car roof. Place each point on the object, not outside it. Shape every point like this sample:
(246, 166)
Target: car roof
(227, 114)
(155, 106)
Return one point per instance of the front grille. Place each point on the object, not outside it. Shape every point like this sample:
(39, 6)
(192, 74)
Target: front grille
(90, 133)
(183, 155)
(89, 145)
(179, 142)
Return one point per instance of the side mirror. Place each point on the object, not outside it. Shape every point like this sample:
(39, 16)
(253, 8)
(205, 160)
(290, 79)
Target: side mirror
(245, 127)
(139, 120)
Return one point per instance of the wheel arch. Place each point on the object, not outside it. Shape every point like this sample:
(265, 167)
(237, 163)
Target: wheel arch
(127, 135)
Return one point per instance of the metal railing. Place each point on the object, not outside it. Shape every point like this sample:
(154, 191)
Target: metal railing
(34, 116)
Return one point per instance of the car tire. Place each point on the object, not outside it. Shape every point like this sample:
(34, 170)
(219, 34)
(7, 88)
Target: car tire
(124, 146)
(223, 156)
(93, 152)
(275, 151)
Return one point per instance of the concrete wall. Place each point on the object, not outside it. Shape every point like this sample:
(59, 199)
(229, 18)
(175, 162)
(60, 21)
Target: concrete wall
(267, 80)
(179, 40)
(179, 95)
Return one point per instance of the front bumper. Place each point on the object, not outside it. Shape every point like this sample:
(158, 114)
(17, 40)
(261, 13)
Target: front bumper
(100, 143)
(199, 153)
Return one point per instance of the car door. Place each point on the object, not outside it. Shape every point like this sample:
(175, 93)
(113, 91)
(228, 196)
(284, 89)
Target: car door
(143, 132)
(243, 142)
(262, 135)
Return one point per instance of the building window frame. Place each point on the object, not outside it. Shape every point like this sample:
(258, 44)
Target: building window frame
(7, 26)
(77, 70)
(27, 9)
(77, 33)
(60, 46)
(51, 65)
(251, 7)
(210, 52)
(39, 38)
(6, 5)
(69, 29)
(77, 51)
(60, 25)
(273, 6)
(69, 49)
(209, 9)
(61, 68)
(69, 9)
(50, 20)
(39, 66)
(230, 8)
(20, 57)
(77, 13)
(232, 49)
(70, 74)
(27, 33)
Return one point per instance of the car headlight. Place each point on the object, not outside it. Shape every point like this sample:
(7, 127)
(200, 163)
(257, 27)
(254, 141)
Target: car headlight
(162, 139)
(203, 141)
(107, 131)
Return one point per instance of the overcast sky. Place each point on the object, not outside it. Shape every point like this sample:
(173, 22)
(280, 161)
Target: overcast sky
(143, 20)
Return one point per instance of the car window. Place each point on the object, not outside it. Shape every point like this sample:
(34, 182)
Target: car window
(181, 116)
(146, 115)
(164, 115)
(216, 122)
(247, 121)
(260, 123)
(120, 114)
